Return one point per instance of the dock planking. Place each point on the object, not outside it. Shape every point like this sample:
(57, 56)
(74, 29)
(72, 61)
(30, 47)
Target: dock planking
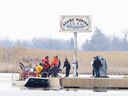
(87, 83)
(90, 83)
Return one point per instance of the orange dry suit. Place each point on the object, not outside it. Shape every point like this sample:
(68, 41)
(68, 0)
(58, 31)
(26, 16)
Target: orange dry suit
(38, 70)
(55, 62)
(54, 67)
(46, 64)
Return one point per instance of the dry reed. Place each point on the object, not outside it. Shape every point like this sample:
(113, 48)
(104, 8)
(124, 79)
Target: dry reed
(117, 60)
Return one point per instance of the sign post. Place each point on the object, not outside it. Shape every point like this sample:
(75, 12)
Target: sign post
(75, 54)
(75, 24)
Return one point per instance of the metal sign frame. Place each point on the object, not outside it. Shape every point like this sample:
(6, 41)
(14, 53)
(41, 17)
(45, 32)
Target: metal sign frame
(75, 23)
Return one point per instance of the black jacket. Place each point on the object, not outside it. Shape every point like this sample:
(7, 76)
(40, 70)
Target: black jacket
(97, 63)
(66, 64)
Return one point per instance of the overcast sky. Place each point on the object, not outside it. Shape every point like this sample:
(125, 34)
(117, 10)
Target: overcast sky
(25, 19)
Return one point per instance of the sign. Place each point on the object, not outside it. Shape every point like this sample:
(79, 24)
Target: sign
(75, 23)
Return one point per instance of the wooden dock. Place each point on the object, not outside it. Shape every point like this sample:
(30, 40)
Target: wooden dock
(90, 83)
(87, 83)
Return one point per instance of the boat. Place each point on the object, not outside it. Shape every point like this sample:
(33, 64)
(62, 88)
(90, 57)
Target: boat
(27, 77)
(37, 82)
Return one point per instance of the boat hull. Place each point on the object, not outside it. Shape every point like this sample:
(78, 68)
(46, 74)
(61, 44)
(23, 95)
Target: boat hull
(37, 82)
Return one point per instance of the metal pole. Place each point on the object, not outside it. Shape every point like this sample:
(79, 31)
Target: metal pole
(75, 54)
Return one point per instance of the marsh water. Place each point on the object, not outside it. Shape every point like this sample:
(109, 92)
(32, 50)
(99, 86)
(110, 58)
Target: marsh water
(7, 89)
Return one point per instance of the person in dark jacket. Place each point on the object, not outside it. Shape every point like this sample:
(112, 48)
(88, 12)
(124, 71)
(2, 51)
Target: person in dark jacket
(67, 65)
(96, 66)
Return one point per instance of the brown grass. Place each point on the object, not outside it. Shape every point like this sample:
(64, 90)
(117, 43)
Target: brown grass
(117, 61)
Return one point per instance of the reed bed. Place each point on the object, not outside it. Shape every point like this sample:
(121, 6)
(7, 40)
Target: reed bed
(117, 61)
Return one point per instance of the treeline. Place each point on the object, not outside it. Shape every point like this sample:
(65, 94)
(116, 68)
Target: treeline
(98, 42)
(40, 43)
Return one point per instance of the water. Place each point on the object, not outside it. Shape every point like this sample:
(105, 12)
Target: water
(7, 89)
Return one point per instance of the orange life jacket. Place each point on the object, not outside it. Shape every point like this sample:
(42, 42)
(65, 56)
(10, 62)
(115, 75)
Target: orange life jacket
(55, 62)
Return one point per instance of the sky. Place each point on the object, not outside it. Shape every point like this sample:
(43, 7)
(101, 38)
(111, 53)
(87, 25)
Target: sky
(27, 19)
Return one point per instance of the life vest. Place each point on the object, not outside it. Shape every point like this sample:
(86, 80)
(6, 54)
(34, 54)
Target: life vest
(46, 64)
(55, 62)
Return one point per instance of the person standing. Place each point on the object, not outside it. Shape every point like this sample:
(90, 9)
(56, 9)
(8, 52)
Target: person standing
(76, 68)
(67, 65)
(93, 69)
(103, 68)
(46, 66)
(39, 69)
(75, 64)
(96, 66)
(54, 67)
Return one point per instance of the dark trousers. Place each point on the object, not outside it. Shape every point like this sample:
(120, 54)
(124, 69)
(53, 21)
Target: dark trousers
(45, 72)
(67, 72)
(53, 71)
(97, 72)
(76, 73)
(93, 72)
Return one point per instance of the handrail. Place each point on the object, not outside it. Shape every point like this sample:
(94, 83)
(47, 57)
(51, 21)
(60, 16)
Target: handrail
(22, 66)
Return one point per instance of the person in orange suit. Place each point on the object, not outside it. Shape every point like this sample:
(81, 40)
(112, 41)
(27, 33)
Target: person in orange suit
(46, 66)
(54, 67)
